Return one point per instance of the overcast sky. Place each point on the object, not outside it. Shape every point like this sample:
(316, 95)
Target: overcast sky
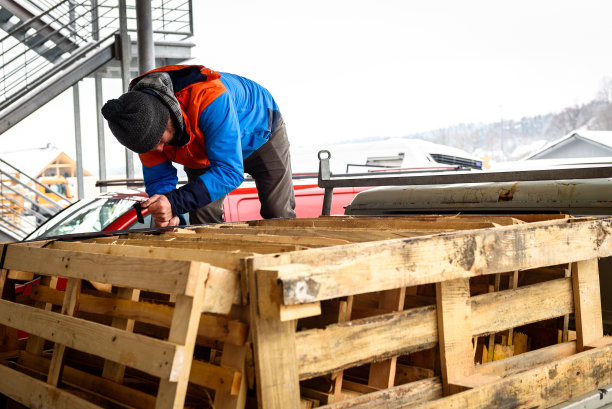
(348, 69)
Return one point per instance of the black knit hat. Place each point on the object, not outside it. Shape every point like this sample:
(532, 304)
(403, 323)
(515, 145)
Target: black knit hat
(137, 119)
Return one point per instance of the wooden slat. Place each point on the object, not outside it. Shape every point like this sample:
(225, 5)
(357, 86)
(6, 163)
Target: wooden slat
(36, 344)
(343, 345)
(171, 276)
(353, 235)
(589, 324)
(95, 384)
(69, 307)
(204, 234)
(37, 394)
(382, 374)
(365, 267)
(137, 351)
(115, 370)
(234, 397)
(454, 333)
(223, 378)
(411, 394)
(543, 386)
(379, 223)
(183, 331)
(192, 242)
(223, 259)
(274, 353)
(217, 327)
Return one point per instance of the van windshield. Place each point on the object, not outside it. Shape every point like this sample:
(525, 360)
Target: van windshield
(85, 216)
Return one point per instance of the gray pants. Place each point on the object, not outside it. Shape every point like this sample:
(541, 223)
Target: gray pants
(270, 167)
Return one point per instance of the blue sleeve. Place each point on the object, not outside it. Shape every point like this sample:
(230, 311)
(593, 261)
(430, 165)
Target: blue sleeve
(222, 138)
(160, 178)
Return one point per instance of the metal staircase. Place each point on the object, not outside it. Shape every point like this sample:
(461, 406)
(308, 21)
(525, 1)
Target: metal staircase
(50, 45)
(20, 198)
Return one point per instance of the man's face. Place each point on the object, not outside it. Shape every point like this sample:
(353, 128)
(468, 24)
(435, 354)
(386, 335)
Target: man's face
(166, 137)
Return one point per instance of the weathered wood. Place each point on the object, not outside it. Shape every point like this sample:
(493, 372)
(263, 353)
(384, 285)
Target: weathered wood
(589, 325)
(171, 276)
(95, 384)
(69, 307)
(269, 302)
(365, 267)
(343, 345)
(454, 311)
(555, 382)
(275, 356)
(345, 311)
(114, 370)
(377, 223)
(427, 389)
(191, 242)
(35, 344)
(223, 378)
(183, 332)
(217, 327)
(170, 251)
(382, 374)
(37, 394)
(543, 375)
(153, 356)
(234, 358)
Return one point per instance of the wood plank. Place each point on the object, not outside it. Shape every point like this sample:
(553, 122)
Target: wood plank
(70, 307)
(183, 331)
(528, 360)
(205, 234)
(345, 311)
(382, 374)
(543, 386)
(171, 276)
(152, 356)
(427, 389)
(379, 223)
(212, 326)
(96, 384)
(35, 344)
(37, 394)
(353, 235)
(114, 370)
(454, 312)
(587, 300)
(275, 355)
(431, 389)
(195, 242)
(222, 378)
(365, 267)
(234, 397)
(343, 345)
(537, 386)
(224, 259)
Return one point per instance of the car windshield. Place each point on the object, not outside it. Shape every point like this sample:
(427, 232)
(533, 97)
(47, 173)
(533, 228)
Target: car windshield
(85, 216)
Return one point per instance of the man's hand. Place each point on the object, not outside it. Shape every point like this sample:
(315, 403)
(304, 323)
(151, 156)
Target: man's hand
(161, 211)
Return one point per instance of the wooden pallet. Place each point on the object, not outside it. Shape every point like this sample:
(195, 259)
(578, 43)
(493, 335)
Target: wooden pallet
(344, 312)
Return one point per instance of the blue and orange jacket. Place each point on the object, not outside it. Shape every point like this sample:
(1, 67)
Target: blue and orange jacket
(227, 118)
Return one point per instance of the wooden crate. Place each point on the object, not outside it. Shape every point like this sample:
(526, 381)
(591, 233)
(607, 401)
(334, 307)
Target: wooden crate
(344, 312)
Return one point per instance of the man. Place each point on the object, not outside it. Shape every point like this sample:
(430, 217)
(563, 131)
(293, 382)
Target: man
(218, 126)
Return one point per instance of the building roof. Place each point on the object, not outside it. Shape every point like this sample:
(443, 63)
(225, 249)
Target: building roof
(603, 138)
(32, 162)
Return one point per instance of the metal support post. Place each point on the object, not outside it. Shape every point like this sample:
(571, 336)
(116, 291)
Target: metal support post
(125, 75)
(100, 124)
(144, 32)
(77, 136)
